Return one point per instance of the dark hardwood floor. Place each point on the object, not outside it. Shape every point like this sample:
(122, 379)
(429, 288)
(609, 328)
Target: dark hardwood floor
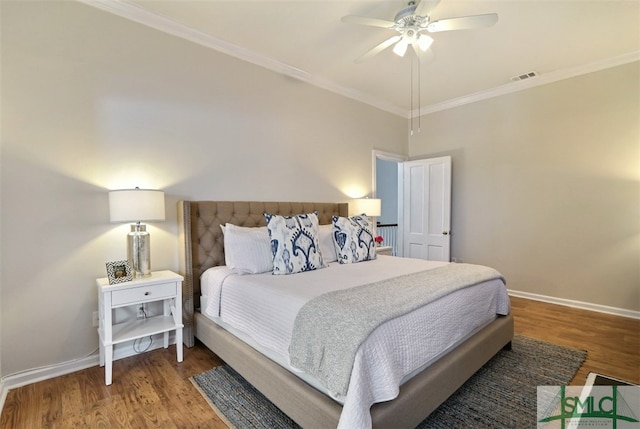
(152, 390)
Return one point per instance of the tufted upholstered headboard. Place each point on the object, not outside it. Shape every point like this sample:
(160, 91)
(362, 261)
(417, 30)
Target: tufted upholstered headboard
(201, 240)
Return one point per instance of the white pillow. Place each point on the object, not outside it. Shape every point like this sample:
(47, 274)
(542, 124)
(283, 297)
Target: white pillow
(247, 250)
(294, 243)
(327, 245)
(354, 239)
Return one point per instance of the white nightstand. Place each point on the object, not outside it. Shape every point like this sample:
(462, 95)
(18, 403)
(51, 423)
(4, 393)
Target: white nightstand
(163, 286)
(384, 250)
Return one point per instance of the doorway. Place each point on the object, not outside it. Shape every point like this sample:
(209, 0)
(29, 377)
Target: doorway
(416, 204)
(386, 182)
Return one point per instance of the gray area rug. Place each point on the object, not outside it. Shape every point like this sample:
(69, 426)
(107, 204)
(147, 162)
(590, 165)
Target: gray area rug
(502, 394)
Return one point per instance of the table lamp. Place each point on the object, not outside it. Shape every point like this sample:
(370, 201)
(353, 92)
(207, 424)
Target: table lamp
(137, 205)
(371, 207)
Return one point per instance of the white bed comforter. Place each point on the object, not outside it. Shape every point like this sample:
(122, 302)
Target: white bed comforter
(264, 307)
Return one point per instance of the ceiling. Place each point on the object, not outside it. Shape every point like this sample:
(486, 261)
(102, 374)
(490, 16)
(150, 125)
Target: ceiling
(306, 39)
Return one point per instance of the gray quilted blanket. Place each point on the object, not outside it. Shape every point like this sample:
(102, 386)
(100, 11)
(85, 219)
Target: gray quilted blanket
(330, 328)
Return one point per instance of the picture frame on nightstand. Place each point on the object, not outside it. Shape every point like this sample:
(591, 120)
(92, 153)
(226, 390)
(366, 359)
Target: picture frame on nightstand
(119, 272)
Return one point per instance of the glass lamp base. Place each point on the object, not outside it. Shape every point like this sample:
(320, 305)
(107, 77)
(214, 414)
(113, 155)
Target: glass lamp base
(139, 250)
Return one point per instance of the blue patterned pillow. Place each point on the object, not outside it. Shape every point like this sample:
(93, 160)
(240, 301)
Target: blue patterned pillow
(353, 237)
(294, 243)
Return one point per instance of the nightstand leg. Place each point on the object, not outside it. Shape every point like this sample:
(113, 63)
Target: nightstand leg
(108, 364)
(101, 354)
(166, 307)
(179, 344)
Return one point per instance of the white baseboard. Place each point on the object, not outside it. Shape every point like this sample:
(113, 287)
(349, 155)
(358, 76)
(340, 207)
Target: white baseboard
(3, 395)
(33, 376)
(56, 370)
(623, 312)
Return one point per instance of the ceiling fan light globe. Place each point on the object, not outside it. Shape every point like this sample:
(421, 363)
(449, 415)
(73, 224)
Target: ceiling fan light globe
(424, 42)
(400, 48)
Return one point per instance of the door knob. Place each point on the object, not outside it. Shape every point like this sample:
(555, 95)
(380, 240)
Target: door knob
(445, 232)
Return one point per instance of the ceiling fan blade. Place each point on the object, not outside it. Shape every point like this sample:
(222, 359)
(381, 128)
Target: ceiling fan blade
(372, 22)
(463, 23)
(381, 47)
(425, 7)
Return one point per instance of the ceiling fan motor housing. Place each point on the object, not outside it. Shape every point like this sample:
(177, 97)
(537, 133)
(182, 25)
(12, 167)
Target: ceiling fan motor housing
(406, 18)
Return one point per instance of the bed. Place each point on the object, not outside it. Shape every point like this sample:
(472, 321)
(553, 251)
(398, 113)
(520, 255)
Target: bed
(301, 399)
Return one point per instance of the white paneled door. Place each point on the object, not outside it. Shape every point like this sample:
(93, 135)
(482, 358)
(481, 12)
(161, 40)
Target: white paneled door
(426, 217)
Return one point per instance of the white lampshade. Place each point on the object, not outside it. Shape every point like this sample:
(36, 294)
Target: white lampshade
(368, 206)
(424, 42)
(401, 47)
(136, 205)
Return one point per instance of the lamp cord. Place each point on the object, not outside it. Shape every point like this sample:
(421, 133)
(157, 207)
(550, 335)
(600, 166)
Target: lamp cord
(137, 344)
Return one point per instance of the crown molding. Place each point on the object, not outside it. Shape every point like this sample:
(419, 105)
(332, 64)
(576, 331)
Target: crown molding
(134, 13)
(542, 79)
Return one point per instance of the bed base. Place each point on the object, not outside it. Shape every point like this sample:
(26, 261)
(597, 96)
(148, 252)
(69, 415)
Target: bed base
(202, 247)
(418, 397)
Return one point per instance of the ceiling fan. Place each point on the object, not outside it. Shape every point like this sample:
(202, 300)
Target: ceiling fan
(413, 22)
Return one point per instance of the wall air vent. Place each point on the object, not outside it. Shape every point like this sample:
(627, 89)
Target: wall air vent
(524, 76)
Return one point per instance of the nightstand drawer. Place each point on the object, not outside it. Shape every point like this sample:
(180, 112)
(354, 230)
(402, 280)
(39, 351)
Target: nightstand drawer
(143, 293)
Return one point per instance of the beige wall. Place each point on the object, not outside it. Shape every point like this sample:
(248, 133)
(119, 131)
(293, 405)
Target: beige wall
(545, 182)
(92, 102)
(546, 185)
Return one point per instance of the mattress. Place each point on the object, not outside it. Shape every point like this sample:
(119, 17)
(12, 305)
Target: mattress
(261, 310)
